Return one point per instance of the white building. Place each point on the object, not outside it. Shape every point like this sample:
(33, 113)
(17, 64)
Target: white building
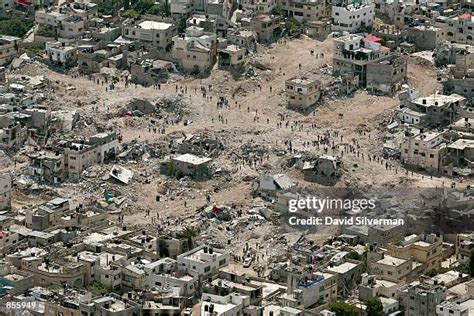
(451, 309)
(154, 33)
(229, 305)
(203, 260)
(59, 53)
(352, 18)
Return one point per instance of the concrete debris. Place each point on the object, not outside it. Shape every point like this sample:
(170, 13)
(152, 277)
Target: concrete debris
(121, 174)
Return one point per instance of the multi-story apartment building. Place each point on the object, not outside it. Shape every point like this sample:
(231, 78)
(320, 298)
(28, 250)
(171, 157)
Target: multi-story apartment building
(464, 247)
(196, 50)
(266, 27)
(352, 54)
(460, 29)
(47, 167)
(448, 308)
(157, 34)
(203, 260)
(306, 289)
(426, 151)
(420, 299)
(426, 249)
(426, 37)
(67, 26)
(388, 75)
(392, 268)
(80, 155)
(309, 10)
(353, 18)
(61, 54)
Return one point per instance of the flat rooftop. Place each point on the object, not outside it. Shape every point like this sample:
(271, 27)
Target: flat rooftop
(437, 100)
(462, 144)
(342, 268)
(391, 261)
(192, 159)
(153, 25)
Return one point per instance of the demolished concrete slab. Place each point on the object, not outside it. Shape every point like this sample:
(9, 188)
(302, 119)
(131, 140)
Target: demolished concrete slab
(121, 174)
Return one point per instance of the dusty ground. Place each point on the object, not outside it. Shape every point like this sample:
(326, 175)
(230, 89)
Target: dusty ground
(239, 126)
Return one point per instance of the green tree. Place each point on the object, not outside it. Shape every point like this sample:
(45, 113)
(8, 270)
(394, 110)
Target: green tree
(131, 13)
(292, 25)
(181, 26)
(15, 26)
(142, 6)
(98, 289)
(163, 249)
(189, 233)
(354, 255)
(46, 31)
(277, 11)
(374, 306)
(343, 309)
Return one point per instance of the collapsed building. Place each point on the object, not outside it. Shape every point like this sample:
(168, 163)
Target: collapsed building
(70, 158)
(324, 169)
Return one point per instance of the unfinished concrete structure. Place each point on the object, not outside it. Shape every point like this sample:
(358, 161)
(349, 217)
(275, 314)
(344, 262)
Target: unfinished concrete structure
(460, 29)
(353, 17)
(154, 33)
(425, 151)
(47, 167)
(387, 76)
(425, 37)
(9, 48)
(436, 110)
(149, 72)
(353, 53)
(5, 191)
(267, 28)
